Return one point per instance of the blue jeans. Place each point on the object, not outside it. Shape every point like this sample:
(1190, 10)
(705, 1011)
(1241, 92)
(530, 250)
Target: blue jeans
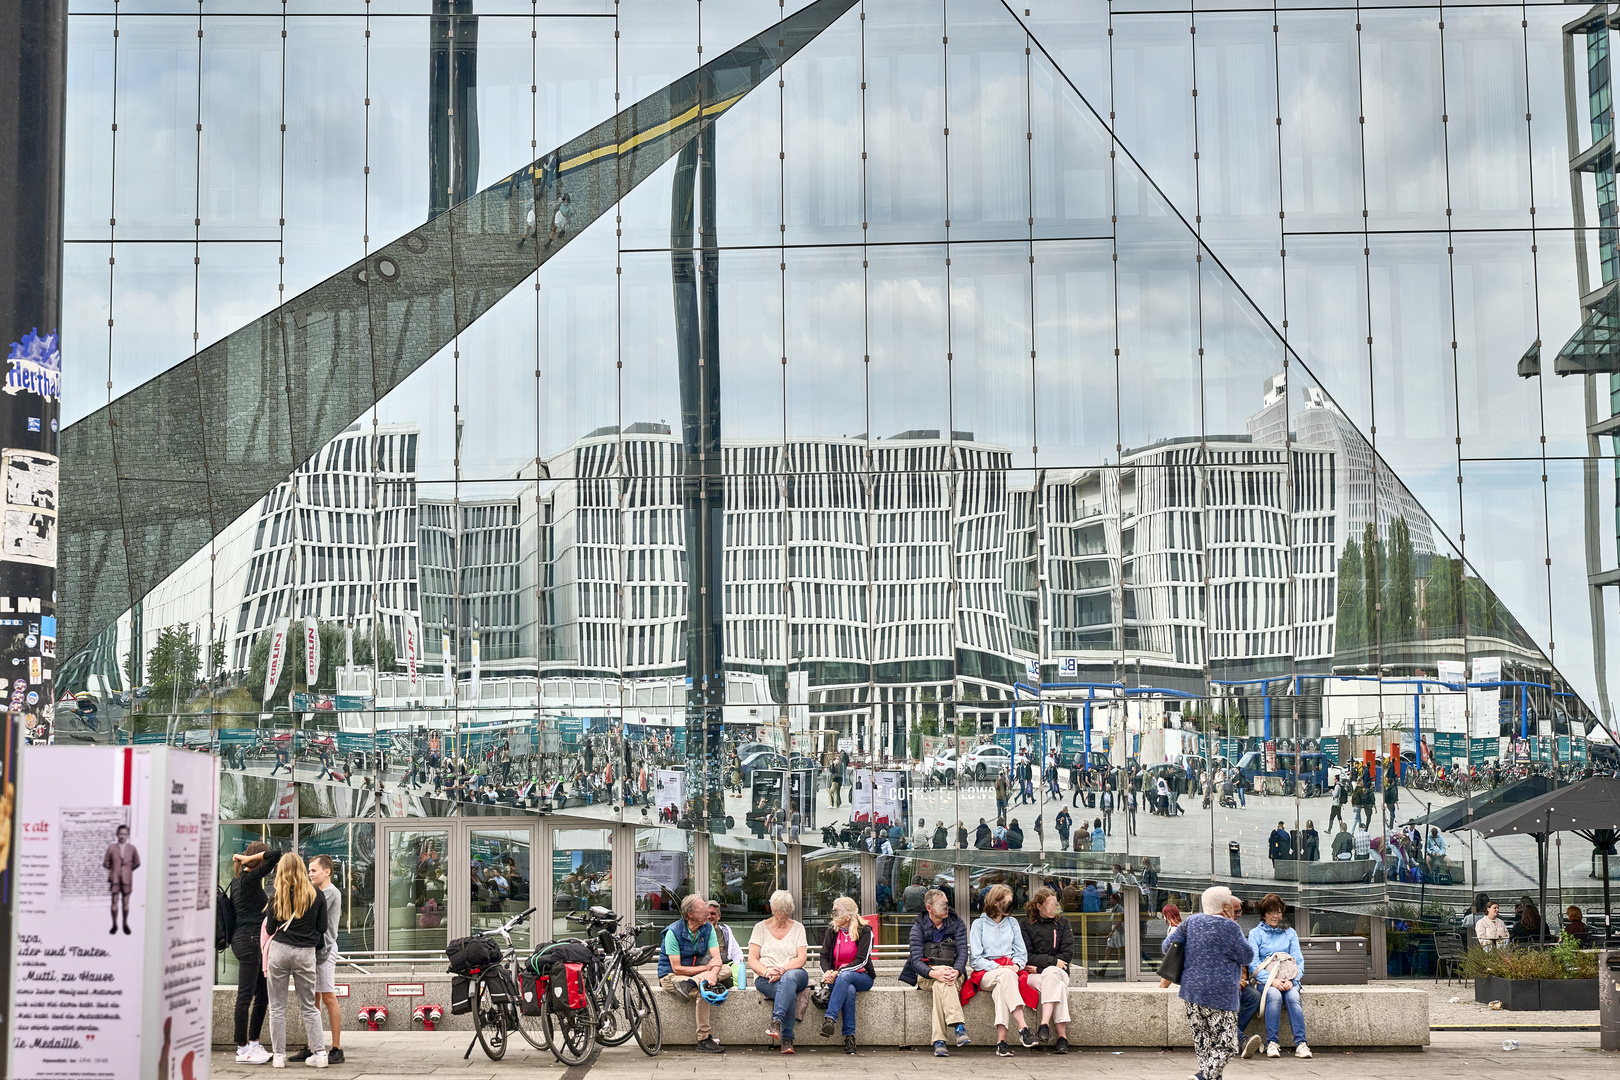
(1296, 1014)
(1248, 1005)
(848, 984)
(785, 995)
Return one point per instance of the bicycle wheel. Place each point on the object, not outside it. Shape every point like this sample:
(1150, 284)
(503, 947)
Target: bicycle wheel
(532, 1028)
(487, 1016)
(617, 1018)
(571, 1035)
(648, 1028)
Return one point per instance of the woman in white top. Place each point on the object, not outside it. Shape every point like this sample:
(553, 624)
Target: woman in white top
(1491, 931)
(776, 953)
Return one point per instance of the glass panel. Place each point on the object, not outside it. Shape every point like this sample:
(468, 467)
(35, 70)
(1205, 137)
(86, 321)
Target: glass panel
(418, 889)
(988, 148)
(742, 875)
(352, 849)
(827, 876)
(1319, 84)
(581, 875)
(500, 879)
(1487, 140)
(664, 878)
(905, 122)
(1403, 90)
(234, 840)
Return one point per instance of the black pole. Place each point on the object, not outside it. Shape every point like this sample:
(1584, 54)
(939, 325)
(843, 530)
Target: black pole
(1541, 875)
(33, 95)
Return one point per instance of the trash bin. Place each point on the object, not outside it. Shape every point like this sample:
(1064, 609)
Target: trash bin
(1235, 852)
(1609, 999)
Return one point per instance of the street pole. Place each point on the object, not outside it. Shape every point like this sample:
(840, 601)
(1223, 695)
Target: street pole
(33, 94)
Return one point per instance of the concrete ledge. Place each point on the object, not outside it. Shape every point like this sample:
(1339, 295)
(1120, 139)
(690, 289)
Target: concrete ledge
(1333, 871)
(1113, 1014)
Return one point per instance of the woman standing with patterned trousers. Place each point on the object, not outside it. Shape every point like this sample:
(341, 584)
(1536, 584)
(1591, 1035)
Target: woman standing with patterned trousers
(1214, 948)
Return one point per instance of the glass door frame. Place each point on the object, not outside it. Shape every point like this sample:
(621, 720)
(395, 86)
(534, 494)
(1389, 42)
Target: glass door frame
(458, 858)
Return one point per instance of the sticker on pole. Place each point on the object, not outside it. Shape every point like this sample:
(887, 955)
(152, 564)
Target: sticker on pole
(36, 366)
(28, 533)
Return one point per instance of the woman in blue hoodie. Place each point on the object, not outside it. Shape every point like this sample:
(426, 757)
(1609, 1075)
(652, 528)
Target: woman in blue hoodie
(1279, 945)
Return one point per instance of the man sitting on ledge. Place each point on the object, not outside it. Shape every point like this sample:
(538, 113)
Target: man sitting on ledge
(938, 964)
(690, 963)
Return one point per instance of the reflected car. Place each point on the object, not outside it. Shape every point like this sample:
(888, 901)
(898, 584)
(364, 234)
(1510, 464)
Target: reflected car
(768, 760)
(985, 762)
(942, 765)
(803, 761)
(749, 749)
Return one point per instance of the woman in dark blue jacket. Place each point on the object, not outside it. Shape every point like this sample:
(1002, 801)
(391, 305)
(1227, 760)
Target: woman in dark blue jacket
(1214, 950)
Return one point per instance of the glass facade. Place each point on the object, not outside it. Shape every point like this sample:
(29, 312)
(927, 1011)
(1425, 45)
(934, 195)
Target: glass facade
(692, 427)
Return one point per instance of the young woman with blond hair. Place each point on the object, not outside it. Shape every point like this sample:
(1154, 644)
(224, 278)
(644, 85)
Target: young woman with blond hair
(295, 921)
(846, 963)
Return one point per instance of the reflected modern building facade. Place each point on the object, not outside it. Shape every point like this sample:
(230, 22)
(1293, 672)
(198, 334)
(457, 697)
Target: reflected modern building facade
(879, 382)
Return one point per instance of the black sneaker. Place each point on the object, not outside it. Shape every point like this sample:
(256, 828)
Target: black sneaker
(1044, 1035)
(303, 1055)
(827, 1025)
(1026, 1036)
(709, 1046)
(685, 989)
(849, 1044)
(1061, 1046)
(334, 1056)
(1002, 1050)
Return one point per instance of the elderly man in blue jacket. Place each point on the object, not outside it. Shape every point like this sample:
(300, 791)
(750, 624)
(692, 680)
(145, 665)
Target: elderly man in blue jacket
(938, 964)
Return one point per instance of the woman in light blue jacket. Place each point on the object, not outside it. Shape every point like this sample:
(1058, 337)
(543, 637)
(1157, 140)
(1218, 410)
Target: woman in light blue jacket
(1279, 945)
(997, 949)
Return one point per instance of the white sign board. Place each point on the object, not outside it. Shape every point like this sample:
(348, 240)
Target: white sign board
(1484, 704)
(122, 838)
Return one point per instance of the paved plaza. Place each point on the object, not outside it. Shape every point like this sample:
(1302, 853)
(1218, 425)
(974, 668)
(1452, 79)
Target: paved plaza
(1462, 1054)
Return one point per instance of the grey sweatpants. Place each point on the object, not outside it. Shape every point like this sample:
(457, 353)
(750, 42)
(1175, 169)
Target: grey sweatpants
(298, 966)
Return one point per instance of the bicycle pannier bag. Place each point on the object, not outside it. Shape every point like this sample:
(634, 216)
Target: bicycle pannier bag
(498, 981)
(565, 989)
(460, 999)
(469, 955)
(532, 990)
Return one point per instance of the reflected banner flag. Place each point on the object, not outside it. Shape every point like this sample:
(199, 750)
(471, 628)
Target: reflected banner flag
(312, 653)
(277, 658)
(410, 650)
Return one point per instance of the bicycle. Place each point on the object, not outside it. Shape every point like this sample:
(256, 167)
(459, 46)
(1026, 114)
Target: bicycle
(494, 1020)
(619, 1003)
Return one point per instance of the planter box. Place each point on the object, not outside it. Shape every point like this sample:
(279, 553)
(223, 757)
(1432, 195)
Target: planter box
(1536, 995)
(1572, 995)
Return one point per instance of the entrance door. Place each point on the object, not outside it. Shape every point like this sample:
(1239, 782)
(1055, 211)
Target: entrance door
(446, 879)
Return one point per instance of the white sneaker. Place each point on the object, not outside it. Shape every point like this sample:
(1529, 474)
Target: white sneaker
(1251, 1047)
(1272, 1050)
(316, 1060)
(1301, 1050)
(252, 1054)
(278, 1061)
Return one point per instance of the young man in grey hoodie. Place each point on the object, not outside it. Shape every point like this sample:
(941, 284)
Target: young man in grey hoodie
(320, 875)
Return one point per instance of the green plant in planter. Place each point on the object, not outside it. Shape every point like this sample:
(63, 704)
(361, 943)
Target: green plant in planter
(1566, 960)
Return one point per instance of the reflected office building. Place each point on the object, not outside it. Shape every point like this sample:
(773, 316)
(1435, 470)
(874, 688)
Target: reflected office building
(705, 432)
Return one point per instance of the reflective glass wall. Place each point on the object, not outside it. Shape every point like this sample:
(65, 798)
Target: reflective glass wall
(967, 420)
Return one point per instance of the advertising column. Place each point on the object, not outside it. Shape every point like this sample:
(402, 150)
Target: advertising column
(115, 912)
(33, 94)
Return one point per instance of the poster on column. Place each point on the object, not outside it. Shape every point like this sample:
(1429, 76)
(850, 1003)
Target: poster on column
(860, 794)
(889, 799)
(669, 795)
(121, 838)
(1484, 704)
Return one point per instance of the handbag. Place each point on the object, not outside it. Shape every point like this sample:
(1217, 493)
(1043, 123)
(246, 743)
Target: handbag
(1173, 961)
(821, 996)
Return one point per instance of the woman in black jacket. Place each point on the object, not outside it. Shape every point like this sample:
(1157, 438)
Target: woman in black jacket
(846, 963)
(296, 919)
(246, 897)
(1049, 945)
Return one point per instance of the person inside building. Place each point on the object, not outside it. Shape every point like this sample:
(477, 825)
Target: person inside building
(690, 963)
(776, 955)
(1048, 951)
(846, 965)
(938, 965)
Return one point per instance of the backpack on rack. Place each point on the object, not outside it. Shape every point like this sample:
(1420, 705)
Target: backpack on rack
(471, 955)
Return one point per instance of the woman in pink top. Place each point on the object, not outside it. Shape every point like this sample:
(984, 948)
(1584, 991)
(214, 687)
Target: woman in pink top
(846, 963)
